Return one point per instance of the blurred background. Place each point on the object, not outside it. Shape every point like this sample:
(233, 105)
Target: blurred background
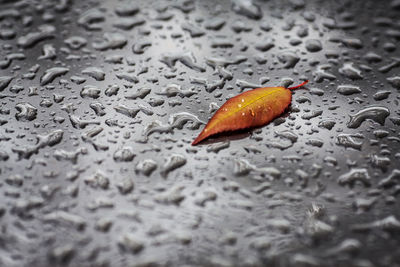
(100, 101)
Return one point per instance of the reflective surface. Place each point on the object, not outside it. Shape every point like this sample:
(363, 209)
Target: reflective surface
(100, 100)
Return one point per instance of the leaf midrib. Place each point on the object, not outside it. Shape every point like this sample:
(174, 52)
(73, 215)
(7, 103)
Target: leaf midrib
(246, 105)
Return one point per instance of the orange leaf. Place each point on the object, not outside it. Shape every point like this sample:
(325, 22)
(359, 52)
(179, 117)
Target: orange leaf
(253, 108)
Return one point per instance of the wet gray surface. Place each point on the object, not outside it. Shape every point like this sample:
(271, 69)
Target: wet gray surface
(100, 100)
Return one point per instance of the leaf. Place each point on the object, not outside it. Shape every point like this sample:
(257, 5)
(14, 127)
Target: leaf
(250, 109)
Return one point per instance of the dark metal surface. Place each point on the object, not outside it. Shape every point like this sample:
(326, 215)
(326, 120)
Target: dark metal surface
(100, 100)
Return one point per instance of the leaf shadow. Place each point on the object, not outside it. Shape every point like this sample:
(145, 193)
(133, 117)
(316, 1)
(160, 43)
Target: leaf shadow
(227, 136)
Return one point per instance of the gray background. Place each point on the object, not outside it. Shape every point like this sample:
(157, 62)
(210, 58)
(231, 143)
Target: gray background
(292, 193)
